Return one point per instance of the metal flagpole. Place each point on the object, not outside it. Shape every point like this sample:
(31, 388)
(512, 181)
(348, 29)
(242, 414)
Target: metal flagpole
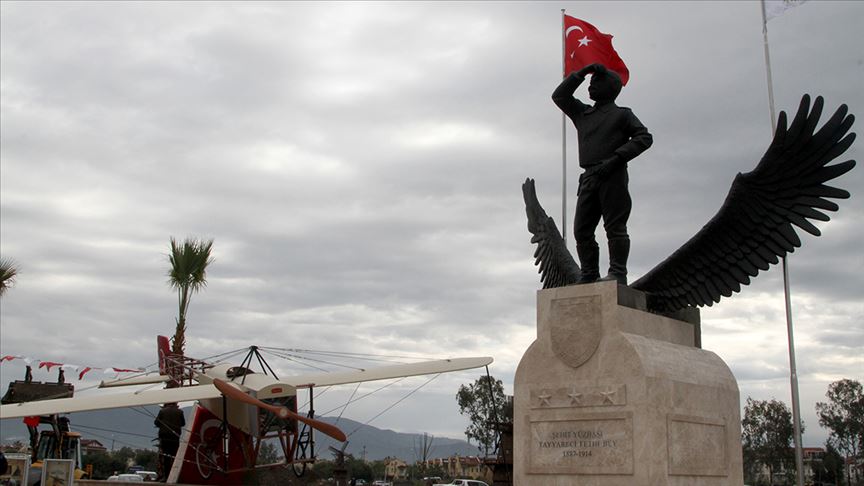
(793, 373)
(563, 138)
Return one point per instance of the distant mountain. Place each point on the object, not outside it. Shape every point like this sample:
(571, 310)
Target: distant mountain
(387, 443)
(133, 427)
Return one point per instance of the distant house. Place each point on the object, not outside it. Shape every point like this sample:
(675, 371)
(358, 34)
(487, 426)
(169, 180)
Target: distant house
(810, 455)
(395, 468)
(459, 466)
(92, 445)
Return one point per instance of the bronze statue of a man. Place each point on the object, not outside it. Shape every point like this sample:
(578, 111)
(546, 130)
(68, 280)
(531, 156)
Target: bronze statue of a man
(609, 137)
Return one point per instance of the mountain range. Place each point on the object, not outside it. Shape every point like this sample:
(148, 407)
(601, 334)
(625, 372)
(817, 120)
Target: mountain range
(133, 427)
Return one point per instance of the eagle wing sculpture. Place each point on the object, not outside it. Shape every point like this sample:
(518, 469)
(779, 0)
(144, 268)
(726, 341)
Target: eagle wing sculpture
(752, 229)
(556, 265)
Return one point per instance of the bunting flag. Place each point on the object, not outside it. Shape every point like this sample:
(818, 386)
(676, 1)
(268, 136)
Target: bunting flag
(68, 366)
(776, 8)
(48, 364)
(83, 372)
(585, 45)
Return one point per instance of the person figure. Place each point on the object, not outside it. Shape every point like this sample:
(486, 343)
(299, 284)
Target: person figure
(170, 421)
(609, 137)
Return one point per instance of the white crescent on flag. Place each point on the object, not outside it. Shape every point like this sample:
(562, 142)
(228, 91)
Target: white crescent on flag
(572, 28)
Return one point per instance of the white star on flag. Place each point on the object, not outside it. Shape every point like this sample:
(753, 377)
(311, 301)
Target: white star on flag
(584, 41)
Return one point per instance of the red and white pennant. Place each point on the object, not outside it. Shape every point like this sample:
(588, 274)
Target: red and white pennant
(80, 369)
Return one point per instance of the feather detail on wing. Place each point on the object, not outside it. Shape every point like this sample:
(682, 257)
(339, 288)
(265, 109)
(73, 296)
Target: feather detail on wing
(755, 224)
(556, 265)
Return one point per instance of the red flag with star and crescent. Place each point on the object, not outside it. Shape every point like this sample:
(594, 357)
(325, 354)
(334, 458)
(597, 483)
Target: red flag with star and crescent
(584, 45)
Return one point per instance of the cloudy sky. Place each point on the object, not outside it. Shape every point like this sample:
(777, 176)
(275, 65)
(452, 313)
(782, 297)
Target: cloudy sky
(359, 168)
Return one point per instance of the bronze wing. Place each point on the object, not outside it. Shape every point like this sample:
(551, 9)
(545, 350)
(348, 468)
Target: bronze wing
(557, 267)
(754, 226)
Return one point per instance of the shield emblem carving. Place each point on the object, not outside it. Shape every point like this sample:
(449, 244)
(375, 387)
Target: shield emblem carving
(575, 329)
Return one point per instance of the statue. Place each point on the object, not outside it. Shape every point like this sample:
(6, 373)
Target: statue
(749, 232)
(609, 137)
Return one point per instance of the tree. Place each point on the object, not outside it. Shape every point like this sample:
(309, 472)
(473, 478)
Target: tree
(359, 469)
(188, 275)
(828, 468)
(269, 454)
(843, 416)
(107, 463)
(8, 272)
(321, 469)
(484, 404)
(767, 436)
(147, 459)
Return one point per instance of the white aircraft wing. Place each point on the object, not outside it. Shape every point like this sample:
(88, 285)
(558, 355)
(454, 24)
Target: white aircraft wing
(148, 379)
(105, 401)
(388, 372)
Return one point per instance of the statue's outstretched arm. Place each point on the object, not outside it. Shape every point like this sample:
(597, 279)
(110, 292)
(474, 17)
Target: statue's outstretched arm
(563, 95)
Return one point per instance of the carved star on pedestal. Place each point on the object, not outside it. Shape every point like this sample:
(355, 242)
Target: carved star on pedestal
(608, 396)
(575, 398)
(544, 399)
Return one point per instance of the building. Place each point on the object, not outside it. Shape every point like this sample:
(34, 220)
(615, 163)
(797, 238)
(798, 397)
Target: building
(395, 468)
(469, 467)
(92, 445)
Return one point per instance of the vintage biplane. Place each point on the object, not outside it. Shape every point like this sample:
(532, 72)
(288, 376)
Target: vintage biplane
(236, 409)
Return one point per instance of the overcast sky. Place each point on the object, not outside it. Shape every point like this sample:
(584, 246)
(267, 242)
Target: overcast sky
(359, 168)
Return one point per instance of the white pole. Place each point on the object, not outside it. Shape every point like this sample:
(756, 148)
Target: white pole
(563, 138)
(793, 373)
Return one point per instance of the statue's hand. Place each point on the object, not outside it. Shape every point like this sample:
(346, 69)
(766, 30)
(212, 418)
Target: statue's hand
(607, 167)
(591, 68)
(589, 179)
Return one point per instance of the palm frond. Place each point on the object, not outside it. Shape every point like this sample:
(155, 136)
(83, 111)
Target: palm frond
(189, 261)
(8, 272)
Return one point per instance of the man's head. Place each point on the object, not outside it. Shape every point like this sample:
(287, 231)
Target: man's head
(604, 86)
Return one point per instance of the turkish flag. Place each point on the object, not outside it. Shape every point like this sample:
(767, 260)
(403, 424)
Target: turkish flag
(584, 45)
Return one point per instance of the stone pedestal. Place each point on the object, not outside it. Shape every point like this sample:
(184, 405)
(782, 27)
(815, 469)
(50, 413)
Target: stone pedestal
(611, 395)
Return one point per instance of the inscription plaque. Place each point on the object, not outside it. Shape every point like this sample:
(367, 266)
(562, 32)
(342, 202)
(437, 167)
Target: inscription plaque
(589, 444)
(697, 446)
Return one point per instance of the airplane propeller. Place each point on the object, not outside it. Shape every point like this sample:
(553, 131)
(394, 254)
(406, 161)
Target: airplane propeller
(231, 391)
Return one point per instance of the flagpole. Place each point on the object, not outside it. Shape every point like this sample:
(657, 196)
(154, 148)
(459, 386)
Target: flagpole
(563, 138)
(793, 372)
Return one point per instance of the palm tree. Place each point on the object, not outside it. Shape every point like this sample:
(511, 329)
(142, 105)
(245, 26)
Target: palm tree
(8, 272)
(188, 274)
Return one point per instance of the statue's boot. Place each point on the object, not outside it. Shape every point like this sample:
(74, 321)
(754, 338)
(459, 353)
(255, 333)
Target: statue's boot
(619, 251)
(589, 260)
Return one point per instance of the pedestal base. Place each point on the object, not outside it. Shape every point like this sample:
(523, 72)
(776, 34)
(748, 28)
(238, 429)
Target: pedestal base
(610, 395)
